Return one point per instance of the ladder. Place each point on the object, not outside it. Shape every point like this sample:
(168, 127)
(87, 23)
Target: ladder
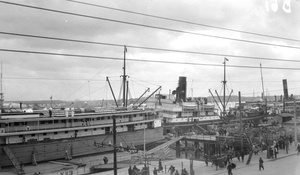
(13, 160)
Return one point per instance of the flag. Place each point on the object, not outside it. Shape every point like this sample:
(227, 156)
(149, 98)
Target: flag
(125, 49)
(226, 59)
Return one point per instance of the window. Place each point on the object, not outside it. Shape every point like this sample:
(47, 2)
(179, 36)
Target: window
(63, 121)
(85, 130)
(42, 122)
(66, 132)
(95, 129)
(16, 123)
(76, 130)
(75, 120)
(55, 121)
(98, 118)
(55, 133)
(32, 135)
(108, 118)
(20, 136)
(44, 134)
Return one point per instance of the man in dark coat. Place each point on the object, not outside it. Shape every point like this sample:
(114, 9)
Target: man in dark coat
(160, 167)
(242, 156)
(155, 171)
(206, 159)
(229, 169)
(261, 164)
(298, 149)
(129, 171)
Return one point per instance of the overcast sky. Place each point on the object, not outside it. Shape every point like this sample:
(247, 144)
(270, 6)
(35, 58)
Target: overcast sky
(38, 77)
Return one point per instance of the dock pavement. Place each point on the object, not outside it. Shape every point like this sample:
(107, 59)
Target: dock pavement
(58, 167)
(201, 168)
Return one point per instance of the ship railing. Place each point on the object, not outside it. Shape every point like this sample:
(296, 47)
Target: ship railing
(19, 129)
(151, 117)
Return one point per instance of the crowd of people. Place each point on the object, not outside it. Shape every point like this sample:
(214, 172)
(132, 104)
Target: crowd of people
(145, 170)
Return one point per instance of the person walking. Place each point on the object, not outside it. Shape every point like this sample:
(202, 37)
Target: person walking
(129, 171)
(155, 171)
(275, 152)
(238, 155)
(242, 156)
(287, 146)
(229, 169)
(171, 169)
(261, 164)
(298, 148)
(206, 159)
(160, 167)
(291, 139)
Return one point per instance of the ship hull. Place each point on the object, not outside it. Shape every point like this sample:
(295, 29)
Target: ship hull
(74, 147)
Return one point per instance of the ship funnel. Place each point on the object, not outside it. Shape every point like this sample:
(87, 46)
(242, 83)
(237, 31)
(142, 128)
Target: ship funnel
(181, 90)
(285, 90)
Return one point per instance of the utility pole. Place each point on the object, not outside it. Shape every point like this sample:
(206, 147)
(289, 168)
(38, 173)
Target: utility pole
(145, 145)
(1, 93)
(115, 145)
(295, 123)
(241, 122)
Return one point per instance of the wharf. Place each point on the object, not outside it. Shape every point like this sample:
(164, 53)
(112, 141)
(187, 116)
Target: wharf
(200, 167)
(82, 165)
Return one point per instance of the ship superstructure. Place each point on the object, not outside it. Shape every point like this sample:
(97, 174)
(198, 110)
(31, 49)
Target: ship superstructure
(33, 137)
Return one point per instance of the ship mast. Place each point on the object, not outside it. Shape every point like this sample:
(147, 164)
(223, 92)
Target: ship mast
(124, 78)
(262, 83)
(224, 86)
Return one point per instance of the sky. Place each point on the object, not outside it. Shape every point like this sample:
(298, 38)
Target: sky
(196, 26)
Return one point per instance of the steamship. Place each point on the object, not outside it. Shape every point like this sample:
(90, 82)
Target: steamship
(33, 137)
(181, 112)
(63, 134)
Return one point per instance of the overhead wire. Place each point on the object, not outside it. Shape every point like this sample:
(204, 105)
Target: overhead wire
(145, 60)
(148, 26)
(147, 48)
(182, 21)
(50, 79)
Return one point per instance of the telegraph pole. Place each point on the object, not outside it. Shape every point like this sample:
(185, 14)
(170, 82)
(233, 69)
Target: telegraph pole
(115, 145)
(241, 123)
(295, 123)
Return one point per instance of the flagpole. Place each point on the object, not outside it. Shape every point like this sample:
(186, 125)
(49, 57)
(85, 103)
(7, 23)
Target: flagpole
(51, 101)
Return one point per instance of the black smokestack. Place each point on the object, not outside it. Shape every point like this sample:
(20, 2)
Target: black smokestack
(285, 89)
(181, 90)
